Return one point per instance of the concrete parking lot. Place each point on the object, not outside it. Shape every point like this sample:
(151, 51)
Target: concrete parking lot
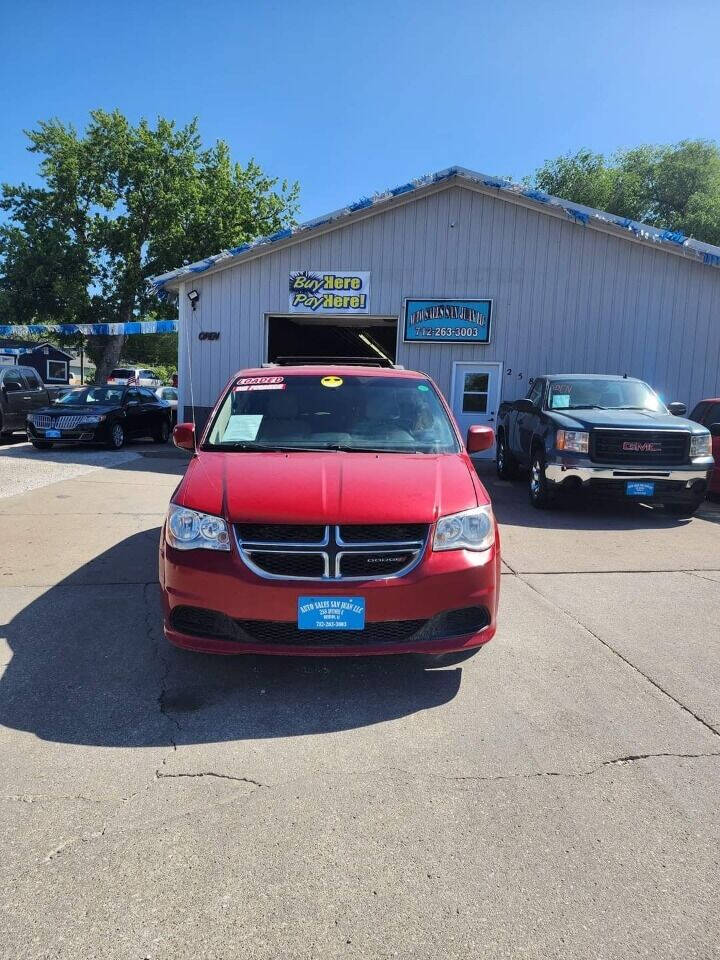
(554, 796)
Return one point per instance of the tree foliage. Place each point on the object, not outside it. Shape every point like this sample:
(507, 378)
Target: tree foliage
(676, 187)
(119, 204)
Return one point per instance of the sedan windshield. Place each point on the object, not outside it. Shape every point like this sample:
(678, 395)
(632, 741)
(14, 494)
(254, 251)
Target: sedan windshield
(94, 395)
(599, 394)
(321, 412)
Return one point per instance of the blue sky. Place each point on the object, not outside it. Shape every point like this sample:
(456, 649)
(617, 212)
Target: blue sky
(351, 97)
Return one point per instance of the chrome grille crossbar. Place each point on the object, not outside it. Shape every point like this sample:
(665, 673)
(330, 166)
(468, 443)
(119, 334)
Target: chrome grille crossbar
(263, 557)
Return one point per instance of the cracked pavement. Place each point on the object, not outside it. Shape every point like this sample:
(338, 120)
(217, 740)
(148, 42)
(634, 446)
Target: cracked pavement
(554, 796)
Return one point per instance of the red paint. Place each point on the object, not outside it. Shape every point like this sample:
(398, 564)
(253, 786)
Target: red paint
(329, 488)
(480, 438)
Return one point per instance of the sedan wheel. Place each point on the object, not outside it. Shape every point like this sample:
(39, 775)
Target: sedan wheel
(117, 436)
(163, 432)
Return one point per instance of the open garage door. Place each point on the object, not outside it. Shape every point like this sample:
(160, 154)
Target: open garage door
(370, 338)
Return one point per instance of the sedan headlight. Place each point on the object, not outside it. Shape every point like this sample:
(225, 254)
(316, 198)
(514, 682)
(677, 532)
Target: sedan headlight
(93, 418)
(469, 530)
(701, 445)
(576, 441)
(191, 530)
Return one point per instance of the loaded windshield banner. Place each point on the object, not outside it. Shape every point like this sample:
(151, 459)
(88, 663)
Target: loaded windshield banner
(447, 321)
(330, 291)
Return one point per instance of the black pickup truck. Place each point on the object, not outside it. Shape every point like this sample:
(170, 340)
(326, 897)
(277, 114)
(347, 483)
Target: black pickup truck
(21, 392)
(608, 436)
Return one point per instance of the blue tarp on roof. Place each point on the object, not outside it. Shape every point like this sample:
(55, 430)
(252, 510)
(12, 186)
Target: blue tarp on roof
(586, 216)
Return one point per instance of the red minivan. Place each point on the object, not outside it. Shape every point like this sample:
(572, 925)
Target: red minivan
(330, 510)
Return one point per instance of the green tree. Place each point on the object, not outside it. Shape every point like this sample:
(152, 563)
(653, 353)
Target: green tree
(676, 187)
(119, 204)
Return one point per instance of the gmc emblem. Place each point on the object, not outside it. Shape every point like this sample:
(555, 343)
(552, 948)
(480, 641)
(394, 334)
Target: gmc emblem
(644, 446)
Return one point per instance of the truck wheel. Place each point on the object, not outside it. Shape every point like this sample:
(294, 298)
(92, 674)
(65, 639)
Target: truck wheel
(683, 509)
(541, 496)
(504, 461)
(4, 434)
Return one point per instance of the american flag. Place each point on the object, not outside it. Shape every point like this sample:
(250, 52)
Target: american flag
(133, 381)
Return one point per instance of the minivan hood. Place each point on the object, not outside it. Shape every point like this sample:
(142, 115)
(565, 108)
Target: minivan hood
(328, 487)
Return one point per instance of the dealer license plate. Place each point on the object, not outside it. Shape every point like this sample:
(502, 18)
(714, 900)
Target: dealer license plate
(331, 613)
(52, 433)
(637, 488)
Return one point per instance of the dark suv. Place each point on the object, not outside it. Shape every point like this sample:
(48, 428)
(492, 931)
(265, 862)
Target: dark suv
(21, 392)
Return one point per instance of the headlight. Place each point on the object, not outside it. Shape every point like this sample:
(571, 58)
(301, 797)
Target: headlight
(701, 445)
(93, 418)
(191, 530)
(574, 440)
(469, 530)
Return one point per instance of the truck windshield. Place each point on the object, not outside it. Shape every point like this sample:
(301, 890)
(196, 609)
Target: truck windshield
(602, 394)
(329, 412)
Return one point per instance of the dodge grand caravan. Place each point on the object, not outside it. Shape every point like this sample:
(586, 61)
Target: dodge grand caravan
(330, 511)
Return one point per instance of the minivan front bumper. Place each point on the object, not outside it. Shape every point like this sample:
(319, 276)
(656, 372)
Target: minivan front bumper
(214, 603)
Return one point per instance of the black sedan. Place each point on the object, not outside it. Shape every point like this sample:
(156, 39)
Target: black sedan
(101, 415)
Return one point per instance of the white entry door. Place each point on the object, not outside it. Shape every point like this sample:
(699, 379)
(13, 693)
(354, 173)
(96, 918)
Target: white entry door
(476, 397)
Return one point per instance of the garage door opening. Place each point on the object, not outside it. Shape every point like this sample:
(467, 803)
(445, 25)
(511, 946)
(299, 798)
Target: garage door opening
(361, 338)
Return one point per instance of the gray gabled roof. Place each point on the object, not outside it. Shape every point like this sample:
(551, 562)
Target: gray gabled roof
(695, 249)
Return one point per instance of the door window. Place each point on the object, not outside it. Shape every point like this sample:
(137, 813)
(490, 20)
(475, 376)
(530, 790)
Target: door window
(33, 380)
(147, 396)
(698, 414)
(133, 395)
(712, 415)
(535, 395)
(475, 392)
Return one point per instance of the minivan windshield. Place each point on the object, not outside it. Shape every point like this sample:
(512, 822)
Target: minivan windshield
(599, 394)
(330, 412)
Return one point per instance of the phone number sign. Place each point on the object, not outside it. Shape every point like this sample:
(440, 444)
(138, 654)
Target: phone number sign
(447, 321)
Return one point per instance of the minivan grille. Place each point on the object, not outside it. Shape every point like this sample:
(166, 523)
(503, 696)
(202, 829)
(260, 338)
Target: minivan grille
(315, 552)
(640, 447)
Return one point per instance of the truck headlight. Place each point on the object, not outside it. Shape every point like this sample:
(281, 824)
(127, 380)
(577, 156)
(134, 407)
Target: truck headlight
(191, 530)
(701, 445)
(469, 530)
(577, 441)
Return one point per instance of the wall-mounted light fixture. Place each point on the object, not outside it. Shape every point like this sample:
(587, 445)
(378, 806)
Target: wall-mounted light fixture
(193, 296)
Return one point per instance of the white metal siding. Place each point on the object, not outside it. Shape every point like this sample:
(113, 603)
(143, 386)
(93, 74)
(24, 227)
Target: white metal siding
(566, 297)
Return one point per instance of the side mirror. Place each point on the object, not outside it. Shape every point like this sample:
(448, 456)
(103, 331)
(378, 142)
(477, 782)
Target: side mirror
(479, 439)
(525, 406)
(184, 436)
(11, 387)
(714, 429)
(677, 409)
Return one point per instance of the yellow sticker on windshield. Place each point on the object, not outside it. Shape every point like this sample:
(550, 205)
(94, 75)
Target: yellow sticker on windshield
(331, 381)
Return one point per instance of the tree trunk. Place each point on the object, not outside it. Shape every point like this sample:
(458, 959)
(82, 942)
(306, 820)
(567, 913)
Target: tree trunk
(105, 351)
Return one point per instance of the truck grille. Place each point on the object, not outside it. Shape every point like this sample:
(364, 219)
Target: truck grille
(640, 447)
(316, 552)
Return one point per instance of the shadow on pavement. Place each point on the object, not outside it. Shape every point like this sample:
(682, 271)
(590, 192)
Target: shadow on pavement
(90, 666)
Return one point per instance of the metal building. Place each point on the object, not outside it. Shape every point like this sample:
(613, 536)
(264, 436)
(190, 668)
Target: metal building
(479, 282)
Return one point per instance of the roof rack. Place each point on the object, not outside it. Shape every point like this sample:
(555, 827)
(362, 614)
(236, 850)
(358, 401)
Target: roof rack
(332, 361)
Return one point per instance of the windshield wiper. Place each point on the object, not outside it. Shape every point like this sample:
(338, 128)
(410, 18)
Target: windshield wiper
(584, 406)
(252, 445)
